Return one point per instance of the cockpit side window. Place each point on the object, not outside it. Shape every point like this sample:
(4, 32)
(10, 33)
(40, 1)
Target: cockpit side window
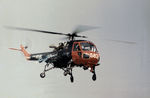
(76, 47)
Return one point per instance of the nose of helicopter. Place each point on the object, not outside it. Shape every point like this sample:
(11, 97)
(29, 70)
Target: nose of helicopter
(92, 57)
(95, 58)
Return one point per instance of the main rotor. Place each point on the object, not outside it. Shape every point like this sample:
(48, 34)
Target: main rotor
(70, 36)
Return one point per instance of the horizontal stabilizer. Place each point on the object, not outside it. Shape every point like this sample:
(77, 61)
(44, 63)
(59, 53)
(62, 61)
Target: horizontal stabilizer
(15, 49)
(22, 49)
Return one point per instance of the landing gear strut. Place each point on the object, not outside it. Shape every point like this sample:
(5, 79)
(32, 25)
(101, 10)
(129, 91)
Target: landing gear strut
(42, 75)
(71, 78)
(68, 71)
(94, 74)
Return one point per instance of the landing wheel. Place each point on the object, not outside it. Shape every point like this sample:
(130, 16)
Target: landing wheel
(71, 79)
(42, 75)
(94, 77)
(65, 73)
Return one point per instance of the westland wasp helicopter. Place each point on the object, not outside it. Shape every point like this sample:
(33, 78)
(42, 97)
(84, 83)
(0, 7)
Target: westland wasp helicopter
(66, 56)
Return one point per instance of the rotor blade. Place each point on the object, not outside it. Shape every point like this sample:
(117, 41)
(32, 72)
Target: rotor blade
(81, 36)
(125, 42)
(82, 28)
(35, 30)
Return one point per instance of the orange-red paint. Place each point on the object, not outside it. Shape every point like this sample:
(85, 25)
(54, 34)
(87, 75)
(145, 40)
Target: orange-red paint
(22, 49)
(78, 59)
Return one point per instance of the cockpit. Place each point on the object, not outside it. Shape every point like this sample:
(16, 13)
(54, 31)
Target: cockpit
(84, 52)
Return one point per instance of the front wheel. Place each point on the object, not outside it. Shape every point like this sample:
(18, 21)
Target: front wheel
(94, 77)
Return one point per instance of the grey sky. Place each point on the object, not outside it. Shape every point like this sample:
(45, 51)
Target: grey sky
(124, 70)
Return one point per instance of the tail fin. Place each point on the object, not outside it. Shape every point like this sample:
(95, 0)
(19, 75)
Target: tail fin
(22, 49)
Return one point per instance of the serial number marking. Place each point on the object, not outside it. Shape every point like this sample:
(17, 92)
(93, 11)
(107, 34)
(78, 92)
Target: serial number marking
(93, 55)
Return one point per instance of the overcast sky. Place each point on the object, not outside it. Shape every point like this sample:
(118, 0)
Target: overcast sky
(124, 70)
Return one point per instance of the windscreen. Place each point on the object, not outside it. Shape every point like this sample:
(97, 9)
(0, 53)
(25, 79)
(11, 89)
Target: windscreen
(88, 47)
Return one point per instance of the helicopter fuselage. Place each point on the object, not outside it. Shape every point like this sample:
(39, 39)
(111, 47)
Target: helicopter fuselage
(78, 52)
(74, 53)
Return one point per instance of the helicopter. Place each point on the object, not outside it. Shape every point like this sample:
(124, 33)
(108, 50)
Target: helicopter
(66, 56)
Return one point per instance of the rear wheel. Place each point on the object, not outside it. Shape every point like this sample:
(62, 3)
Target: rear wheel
(42, 75)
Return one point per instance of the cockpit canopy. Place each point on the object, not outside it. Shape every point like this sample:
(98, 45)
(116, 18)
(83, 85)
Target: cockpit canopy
(84, 46)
